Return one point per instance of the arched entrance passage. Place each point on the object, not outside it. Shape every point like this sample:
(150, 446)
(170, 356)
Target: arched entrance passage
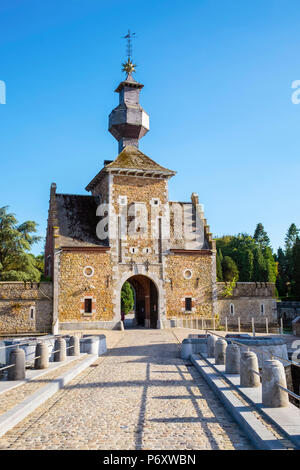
(146, 301)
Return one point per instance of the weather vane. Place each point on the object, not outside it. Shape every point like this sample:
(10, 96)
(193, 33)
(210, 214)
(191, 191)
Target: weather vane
(128, 66)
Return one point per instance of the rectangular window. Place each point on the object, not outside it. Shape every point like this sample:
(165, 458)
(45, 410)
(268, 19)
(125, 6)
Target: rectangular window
(188, 304)
(87, 305)
(32, 313)
(262, 309)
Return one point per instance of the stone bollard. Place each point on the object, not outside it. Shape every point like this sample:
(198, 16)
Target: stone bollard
(220, 351)
(91, 345)
(211, 341)
(17, 372)
(232, 362)
(60, 347)
(249, 364)
(42, 359)
(273, 374)
(74, 348)
(186, 349)
(121, 325)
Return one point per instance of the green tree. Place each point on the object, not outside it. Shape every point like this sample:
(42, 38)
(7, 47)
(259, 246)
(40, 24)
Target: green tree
(127, 298)
(296, 273)
(290, 238)
(230, 269)
(219, 266)
(259, 266)
(261, 237)
(16, 263)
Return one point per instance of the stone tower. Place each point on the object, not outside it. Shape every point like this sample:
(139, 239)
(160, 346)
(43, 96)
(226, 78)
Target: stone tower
(128, 122)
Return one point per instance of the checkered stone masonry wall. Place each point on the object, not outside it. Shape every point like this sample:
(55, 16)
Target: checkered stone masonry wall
(17, 299)
(198, 287)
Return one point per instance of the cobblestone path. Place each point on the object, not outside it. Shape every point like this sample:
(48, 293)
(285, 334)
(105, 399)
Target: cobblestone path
(141, 395)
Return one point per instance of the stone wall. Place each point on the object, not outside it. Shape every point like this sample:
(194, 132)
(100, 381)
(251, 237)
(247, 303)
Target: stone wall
(198, 286)
(288, 311)
(249, 300)
(25, 307)
(74, 286)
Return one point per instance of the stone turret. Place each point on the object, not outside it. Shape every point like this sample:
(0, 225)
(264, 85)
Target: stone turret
(128, 122)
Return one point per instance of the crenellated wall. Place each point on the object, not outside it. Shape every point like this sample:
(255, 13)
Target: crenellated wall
(25, 307)
(248, 300)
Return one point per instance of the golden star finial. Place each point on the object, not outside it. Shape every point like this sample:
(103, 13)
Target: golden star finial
(128, 66)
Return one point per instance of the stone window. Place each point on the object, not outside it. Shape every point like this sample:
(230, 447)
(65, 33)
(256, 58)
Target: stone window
(88, 271)
(133, 249)
(262, 309)
(231, 309)
(88, 305)
(188, 304)
(31, 313)
(122, 200)
(147, 250)
(154, 202)
(187, 274)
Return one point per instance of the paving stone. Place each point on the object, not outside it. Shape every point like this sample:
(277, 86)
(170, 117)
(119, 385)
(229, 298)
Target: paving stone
(141, 395)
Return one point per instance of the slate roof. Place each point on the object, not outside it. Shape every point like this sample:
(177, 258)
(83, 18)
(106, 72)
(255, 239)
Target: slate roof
(77, 220)
(131, 158)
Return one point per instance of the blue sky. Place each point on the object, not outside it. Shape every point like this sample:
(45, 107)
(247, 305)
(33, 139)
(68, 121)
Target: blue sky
(217, 76)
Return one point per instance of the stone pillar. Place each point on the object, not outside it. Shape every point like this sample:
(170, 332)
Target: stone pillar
(220, 351)
(61, 351)
(91, 345)
(186, 349)
(272, 375)
(211, 341)
(17, 357)
(42, 356)
(232, 362)
(74, 350)
(248, 367)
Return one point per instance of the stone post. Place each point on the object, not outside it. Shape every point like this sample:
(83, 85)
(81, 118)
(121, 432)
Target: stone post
(74, 350)
(253, 327)
(232, 362)
(17, 357)
(91, 345)
(220, 351)
(267, 326)
(186, 349)
(226, 324)
(249, 369)
(273, 374)
(42, 356)
(211, 341)
(281, 326)
(61, 351)
(239, 324)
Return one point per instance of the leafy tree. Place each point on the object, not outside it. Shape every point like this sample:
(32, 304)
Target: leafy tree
(261, 237)
(296, 273)
(219, 266)
(290, 239)
(127, 298)
(16, 263)
(230, 269)
(259, 266)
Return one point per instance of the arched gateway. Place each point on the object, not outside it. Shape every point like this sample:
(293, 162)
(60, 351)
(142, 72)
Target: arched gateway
(146, 301)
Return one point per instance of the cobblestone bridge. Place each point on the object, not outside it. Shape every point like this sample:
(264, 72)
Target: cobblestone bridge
(140, 395)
